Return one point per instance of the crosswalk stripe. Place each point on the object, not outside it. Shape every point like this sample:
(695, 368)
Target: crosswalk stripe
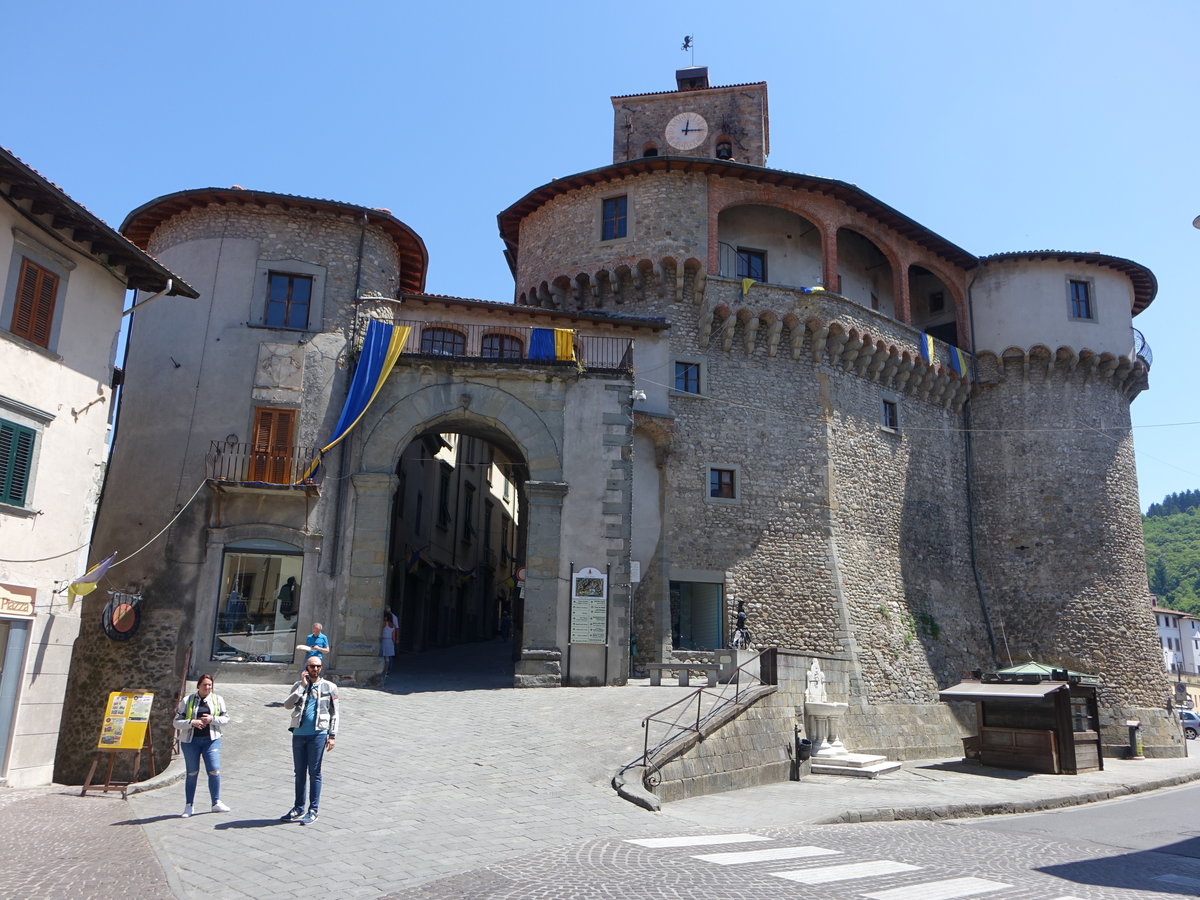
(940, 890)
(704, 840)
(737, 857)
(826, 874)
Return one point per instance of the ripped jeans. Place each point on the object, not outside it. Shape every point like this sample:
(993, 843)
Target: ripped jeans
(210, 750)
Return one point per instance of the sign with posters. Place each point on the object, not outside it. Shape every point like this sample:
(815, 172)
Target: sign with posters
(125, 719)
(589, 607)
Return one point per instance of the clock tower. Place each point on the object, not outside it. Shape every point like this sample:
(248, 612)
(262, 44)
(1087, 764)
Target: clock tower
(696, 120)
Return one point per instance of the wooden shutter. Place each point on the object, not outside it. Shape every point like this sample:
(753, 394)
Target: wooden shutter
(16, 462)
(271, 451)
(33, 315)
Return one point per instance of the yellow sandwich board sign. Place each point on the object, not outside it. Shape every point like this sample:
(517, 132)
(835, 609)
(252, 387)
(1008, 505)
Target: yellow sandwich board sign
(125, 719)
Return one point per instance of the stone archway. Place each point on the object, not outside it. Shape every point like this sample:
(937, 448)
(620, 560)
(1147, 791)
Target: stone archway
(532, 419)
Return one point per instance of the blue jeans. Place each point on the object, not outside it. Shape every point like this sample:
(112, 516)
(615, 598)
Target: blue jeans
(210, 750)
(307, 752)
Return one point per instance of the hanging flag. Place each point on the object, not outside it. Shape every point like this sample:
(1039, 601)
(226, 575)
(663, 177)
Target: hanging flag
(958, 361)
(381, 348)
(927, 351)
(815, 289)
(747, 283)
(552, 343)
(86, 583)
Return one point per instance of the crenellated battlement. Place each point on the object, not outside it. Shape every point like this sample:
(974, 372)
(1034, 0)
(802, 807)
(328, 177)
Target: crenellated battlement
(1129, 373)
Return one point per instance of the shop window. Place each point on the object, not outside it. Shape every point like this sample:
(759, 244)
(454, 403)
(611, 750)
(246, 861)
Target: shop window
(258, 605)
(697, 615)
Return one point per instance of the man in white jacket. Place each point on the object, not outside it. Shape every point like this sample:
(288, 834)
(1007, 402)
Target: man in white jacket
(314, 705)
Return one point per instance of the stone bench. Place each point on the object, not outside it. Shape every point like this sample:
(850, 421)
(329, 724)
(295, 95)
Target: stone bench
(685, 671)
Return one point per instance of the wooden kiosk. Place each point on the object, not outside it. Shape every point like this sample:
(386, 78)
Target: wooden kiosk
(1035, 718)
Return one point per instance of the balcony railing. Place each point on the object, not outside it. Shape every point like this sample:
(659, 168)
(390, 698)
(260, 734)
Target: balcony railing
(244, 464)
(514, 344)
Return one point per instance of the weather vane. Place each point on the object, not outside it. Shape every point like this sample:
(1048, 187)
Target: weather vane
(689, 44)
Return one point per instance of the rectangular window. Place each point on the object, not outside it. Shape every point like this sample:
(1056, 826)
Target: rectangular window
(288, 300)
(687, 377)
(891, 416)
(1081, 300)
(271, 447)
(697, 615)
(722, 484)
(33, 311)
(259, 604)
(468, 528)
(443, 516)
(937, 302)
(488, 509)
(752, 264)
(505, 551)
(614, 218)
(16, 462)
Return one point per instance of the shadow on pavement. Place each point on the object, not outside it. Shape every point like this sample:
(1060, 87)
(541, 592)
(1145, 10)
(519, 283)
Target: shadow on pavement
(147, 820)
(483, 666)
(1127, 870)
(250, 823)
(975, 768)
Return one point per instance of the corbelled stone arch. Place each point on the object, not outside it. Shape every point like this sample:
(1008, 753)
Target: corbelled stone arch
(413, 407)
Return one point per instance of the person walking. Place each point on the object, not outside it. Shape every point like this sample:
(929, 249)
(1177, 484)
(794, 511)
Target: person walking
(314, 705)
(387, 641)
(316, 643)
(198, 720)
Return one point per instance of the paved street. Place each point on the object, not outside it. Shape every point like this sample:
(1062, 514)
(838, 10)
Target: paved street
(449, 785)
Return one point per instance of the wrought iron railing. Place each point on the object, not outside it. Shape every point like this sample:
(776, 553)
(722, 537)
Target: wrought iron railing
(515, 344)
(670, 729)
(245, 464)
(1141, 349)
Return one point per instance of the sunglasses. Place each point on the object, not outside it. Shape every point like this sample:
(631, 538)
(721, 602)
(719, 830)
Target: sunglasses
(318, 668)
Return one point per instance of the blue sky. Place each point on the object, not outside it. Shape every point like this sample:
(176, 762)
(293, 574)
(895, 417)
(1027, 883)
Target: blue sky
(1002, 126)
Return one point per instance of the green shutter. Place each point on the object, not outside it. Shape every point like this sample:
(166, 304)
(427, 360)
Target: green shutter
(16, 462)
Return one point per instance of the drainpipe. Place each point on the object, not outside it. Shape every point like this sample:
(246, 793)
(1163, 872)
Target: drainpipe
(969, 460)
(149, 300)
(339, 508)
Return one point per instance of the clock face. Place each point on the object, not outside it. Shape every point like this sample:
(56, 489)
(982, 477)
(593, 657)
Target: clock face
(687, 131)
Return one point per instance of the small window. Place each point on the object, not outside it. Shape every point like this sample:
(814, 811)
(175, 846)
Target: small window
(33, 311)
(752, 264)
(687, 377)
(890, 419)
(288, 300)
(443, 342)
(650, 150)
(489, 509)
(443, 516)
(468, 528)
(614, 218)
(16, 462)
(501, 346)
(722, 484)
(1081, 300)
(937, 302)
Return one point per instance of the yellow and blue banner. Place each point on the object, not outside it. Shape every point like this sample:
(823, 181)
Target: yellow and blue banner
(958, 362)
(382, 346)
(86, 583)
(552, 343)
(927, 351)
(747, 283)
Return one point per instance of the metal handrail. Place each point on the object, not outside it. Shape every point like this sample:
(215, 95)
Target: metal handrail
(1142, 349)
(675, 726)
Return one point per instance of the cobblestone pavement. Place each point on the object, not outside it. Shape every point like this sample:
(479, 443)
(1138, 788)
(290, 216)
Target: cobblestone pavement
(452, 785)
(60, 845)
(879, 861)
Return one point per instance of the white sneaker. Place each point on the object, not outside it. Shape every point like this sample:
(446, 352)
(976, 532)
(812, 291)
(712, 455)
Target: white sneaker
(220, 807)
(187, 811)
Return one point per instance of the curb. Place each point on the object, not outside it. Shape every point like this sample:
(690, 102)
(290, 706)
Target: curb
(1003, 808)
(172, 774)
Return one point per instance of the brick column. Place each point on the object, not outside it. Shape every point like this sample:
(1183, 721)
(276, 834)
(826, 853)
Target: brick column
(900, 291)
(540, 664)
(356, 644)
(829, 259)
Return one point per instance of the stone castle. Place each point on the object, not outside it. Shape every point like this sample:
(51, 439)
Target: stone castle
(769, 388)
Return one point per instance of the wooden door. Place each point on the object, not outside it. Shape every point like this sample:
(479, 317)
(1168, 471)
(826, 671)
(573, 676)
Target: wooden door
(271, 449)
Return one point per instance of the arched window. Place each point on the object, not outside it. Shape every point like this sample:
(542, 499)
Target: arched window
(501, 346)
(443, 342)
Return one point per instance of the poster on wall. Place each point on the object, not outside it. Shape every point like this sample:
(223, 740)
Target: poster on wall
(126, 716)
(589, 607)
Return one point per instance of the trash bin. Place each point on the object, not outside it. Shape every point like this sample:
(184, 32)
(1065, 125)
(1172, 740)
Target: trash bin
(803, 749)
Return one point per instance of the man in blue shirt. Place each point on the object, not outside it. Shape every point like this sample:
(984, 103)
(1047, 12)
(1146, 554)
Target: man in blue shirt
(317, 643)
(314, 705)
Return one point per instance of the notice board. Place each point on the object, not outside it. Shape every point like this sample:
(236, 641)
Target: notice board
(126, 716)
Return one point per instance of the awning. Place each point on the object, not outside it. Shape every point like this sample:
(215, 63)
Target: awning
(976, 690)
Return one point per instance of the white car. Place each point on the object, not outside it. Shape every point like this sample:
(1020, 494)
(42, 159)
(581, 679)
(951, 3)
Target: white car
(1190, 722)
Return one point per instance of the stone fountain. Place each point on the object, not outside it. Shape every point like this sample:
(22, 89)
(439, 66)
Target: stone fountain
(823, 718)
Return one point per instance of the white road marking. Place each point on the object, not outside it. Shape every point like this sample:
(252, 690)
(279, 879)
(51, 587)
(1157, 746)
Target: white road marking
(738, 857)
(940, 890)
(826, 874)
(703, 840)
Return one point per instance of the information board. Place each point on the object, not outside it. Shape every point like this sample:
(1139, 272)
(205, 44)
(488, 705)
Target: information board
(125, 719)
(589, 607)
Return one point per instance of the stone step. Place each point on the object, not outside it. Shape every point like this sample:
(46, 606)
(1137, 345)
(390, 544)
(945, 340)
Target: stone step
(855, 765)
